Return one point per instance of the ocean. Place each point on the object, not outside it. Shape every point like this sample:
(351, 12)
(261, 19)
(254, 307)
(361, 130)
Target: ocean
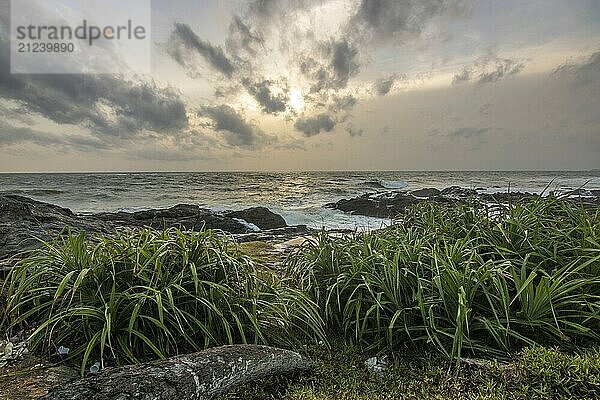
(298, 196)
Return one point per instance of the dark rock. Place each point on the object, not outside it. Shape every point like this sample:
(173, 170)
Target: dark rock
(24, 222)
(391, 204)
(457, 191)
(278, 235)
(183, 216)
(505, 197)
(429, 192)
(382, 205)
(362, 206)
(262, 217)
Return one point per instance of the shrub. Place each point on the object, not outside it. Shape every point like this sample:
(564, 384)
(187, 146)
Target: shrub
(485, 279)
(144, 294)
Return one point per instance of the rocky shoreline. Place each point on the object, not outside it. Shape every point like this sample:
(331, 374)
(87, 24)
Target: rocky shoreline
(389, 204)
(24, 222)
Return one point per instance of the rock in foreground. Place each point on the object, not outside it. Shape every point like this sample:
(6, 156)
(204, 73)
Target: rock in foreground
(203, 375)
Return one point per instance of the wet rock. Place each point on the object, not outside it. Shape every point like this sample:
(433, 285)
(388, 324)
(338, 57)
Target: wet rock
(391, 204)
(24, 221)
(428, 192)
(458, 192)
(261, 217)
(363, 205)
(381, 205)
(505, 197)
(183, 216)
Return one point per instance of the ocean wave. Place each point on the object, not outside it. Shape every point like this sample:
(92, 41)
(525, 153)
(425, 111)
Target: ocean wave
(386, 184)
(34, 192)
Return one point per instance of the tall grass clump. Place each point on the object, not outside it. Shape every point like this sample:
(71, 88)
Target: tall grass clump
(477, 278)
(149, 294)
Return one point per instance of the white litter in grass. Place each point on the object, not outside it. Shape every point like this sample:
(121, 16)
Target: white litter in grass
(377, 364)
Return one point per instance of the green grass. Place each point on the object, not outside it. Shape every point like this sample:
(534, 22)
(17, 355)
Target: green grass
(534, 373)
(465, 280)
(146, 294)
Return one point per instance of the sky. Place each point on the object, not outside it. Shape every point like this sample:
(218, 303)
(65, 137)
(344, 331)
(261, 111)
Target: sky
(324, 85)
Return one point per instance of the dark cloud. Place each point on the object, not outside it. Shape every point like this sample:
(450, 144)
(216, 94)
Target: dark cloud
(183, 40)
(468, 132)
(330, 66)
(271, 102)
(342, 103)
(504, 68)
(12, 135)
(384, 85)
(106, 104)
(489, 69)
(311, 126)
(236, 130)
(242, 39)
(586, 74)
(344, 61)
(243, 42)
(398, 20)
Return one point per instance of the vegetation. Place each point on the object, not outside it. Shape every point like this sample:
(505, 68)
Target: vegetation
(518, 282)
(534, 373)
(477, 279)
(146, 294)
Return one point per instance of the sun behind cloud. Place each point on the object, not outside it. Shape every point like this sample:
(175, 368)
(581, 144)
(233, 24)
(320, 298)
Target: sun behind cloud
(296, 99)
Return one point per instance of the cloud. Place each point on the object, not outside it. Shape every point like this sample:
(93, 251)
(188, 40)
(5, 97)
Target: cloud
(183, 40)
(344, 63)
(586, 73)
(489, 69)
(384, 85)
(311, 126)
(243, 39)
(271, 102)
(12, 135)
(468, 132)
(342, 103)
(236, 130)
(107, 105)
(399, 20)
(354, 131)
(335, 62)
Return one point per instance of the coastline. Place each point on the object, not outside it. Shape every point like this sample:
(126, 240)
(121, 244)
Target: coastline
(288, 252)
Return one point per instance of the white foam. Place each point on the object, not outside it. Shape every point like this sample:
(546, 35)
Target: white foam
(393, 184)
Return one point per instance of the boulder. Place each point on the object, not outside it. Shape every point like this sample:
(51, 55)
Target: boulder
(203, 375)
(392, 204)
(458, 192)
(427, 192)
(183, 216)
(24, 222)
(262, 217)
